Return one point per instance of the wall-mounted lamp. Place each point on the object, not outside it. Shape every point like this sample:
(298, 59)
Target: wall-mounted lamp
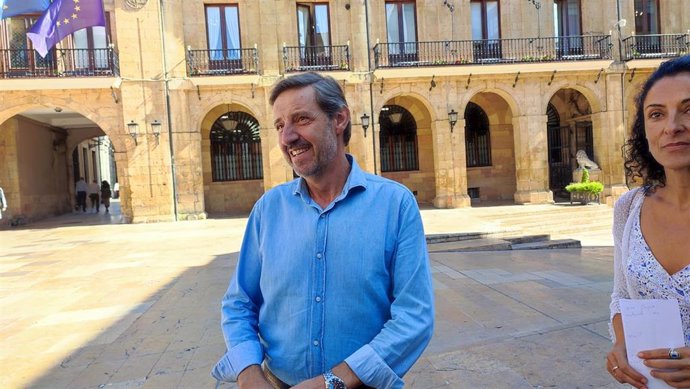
(452, 119)
(133, 128)
(156, 129)
(365, 123)
(228, 121)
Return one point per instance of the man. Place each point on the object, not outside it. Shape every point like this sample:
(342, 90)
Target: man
(94, 190)
(332, 287)
(80, 187)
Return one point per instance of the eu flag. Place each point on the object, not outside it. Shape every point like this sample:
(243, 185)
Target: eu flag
(9, 8)
(62, 18)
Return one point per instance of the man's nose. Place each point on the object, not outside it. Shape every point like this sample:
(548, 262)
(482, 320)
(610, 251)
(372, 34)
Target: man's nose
(288, 135)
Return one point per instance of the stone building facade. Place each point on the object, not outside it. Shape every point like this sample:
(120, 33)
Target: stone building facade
(466, 100)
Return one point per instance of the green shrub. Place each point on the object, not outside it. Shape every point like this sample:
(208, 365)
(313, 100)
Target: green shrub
(585, 175)
(592, 187)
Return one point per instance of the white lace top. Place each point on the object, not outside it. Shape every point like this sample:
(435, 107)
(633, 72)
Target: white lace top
(641, 276)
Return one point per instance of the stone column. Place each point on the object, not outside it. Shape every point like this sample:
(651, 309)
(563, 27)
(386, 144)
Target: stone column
(531, 160)
(450, 165)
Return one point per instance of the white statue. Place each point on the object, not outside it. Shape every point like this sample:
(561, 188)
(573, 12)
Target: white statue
(583, 161)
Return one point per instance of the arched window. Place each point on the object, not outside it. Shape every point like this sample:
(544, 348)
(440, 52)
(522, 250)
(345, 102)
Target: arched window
(477, 136)
(398, 139)
(236, 148)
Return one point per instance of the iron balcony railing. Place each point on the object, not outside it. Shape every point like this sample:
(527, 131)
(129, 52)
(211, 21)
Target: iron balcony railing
(222, 62)
(318, 58)
(26, 63)
(492, 51)
(656, 46)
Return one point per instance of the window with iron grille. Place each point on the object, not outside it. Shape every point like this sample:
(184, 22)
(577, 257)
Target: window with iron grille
(236, 148)
(398, 140)
(477, 136)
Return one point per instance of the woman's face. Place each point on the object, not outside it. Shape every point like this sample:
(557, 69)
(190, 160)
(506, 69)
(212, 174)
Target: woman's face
(667, 121)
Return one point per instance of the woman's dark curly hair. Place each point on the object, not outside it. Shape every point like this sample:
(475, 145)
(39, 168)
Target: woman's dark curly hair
(639, 161)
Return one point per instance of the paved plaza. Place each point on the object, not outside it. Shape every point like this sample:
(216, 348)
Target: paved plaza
(91, 305)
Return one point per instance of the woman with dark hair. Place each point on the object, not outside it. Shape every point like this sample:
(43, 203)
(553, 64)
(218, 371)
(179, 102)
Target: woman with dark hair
(651, 224)
(106, 193)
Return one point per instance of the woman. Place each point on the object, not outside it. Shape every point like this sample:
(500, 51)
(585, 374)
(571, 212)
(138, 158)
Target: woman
(652, 223)
(105, 195)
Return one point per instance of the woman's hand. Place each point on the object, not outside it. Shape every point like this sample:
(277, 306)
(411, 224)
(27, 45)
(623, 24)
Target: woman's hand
(617, 365)
(675, 372)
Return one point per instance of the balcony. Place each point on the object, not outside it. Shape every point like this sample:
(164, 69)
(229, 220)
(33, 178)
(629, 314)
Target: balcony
(656, 46)
(492, 51)
(222, 62)
(316, 58)
(25, 63)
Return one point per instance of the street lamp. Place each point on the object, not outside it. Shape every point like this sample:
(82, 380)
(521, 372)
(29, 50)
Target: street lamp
(156, 129)
(365, 123)
(133, 128)
(452, 119)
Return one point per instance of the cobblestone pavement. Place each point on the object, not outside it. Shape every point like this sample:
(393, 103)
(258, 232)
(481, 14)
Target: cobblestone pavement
(87, 305)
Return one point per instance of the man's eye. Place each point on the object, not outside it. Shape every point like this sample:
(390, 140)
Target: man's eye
(302, 120)
(279, 127)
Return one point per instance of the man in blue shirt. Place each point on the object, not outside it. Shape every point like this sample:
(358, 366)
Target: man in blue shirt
(332, 287)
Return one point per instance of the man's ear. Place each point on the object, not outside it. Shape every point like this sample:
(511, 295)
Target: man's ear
(341, 119)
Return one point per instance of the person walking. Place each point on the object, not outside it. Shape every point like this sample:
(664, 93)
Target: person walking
(652, 223)
(332, 286)
(106, 193)
(3, 202)
(81, 188)
(94, 189)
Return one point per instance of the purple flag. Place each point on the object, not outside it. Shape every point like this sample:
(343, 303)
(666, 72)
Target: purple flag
(20, 7)
(62, 18)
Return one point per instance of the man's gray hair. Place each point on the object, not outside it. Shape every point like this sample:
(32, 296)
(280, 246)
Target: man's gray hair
(327, 92)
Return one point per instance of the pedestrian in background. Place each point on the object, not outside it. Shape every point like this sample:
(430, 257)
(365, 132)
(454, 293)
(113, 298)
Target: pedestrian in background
(332, 287)
(81, 188)
(94, 191)
(106, 193)
(3, 202)
(652, 223)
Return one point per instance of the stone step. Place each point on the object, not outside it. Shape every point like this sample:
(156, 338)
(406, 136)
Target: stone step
(454, 237)
(550, 244)
(527, 238)
(483, 244)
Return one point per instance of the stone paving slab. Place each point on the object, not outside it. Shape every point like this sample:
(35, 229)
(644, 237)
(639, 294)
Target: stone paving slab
(137, 306)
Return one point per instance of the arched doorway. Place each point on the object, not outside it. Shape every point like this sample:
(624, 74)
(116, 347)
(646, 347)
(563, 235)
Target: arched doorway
(489, 150)
(36, 162)
(232, 161)
(405, 146)
(569, 129)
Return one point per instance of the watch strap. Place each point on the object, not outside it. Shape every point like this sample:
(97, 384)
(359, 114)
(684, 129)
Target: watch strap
(332, 381)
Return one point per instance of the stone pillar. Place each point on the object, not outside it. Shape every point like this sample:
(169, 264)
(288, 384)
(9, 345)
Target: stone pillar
(450, 165)
(531, 160)
(276, 169)
(607, 149)
(9, 174)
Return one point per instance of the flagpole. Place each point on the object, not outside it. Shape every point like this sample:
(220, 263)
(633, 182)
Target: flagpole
(166, 85)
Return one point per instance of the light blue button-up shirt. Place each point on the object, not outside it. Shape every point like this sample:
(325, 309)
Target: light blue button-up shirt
(314, 287)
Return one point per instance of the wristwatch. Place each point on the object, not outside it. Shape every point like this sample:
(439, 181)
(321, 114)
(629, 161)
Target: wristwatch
(333, 381)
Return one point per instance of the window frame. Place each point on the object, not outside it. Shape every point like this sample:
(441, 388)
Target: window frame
(229, 166)
(485, 20)
(224, 48)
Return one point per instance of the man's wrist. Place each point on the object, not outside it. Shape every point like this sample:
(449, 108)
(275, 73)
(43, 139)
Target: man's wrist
(332, 381)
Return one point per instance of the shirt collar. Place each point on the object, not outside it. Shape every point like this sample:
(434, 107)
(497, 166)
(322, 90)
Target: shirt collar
(356, 179)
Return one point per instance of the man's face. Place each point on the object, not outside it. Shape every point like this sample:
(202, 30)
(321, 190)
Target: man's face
(308, 138)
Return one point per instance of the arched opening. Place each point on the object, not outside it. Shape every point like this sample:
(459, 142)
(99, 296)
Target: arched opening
(489, 150)
(44, 152)
(569, 130)
(232, 160)
(398, 140)
(406, 147)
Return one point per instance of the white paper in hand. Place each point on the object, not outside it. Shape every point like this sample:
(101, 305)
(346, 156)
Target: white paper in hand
(650, 324)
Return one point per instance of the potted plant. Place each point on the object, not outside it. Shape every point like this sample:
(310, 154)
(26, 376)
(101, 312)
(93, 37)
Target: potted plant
(585, 191)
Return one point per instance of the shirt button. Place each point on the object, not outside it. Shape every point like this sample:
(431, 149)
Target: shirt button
(318, 255)
(318, 299)
(316, 343)
(323, 215)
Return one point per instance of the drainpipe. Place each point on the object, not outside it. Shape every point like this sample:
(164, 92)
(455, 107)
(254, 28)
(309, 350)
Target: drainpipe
(371, 86)
(166, 84)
